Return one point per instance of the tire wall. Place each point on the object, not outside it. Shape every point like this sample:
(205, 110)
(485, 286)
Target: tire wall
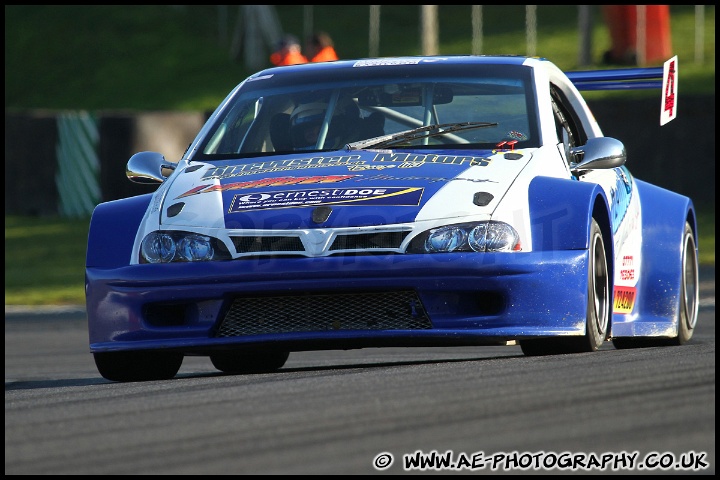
(65, 163)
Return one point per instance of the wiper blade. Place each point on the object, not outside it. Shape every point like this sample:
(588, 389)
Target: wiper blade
(416, 133)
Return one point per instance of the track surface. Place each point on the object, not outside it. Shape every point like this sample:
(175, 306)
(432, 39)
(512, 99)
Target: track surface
(335, 412)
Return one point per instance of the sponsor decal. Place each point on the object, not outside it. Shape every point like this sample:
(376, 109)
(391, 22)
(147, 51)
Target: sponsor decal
(352, 162)
(255, 168)
(405, 196)
(627, 274)
(158, 197)
(624, 299)
(425, 179)
(413, 160)
(394, 61)
(266, 182)
(517, 135)
(280, 181)
(360, 168)
(627, 270)
(620, 195)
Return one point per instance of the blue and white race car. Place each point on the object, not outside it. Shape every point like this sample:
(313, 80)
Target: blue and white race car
(416, 201)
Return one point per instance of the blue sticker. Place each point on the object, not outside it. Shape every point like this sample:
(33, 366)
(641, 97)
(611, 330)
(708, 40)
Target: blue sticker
(405, 196)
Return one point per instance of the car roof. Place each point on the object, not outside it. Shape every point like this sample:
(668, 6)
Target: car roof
(407, 60)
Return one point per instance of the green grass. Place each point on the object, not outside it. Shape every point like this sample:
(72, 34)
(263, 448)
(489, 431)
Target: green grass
(162, 57)
(45, 260)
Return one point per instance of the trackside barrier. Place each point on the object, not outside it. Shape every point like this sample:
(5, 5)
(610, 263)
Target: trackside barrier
(77, 179)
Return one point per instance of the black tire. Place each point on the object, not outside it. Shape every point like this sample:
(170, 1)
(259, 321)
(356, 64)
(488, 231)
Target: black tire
(690, 297)
(597, 320)
(256, 362)
(689, 301)
(138, 366)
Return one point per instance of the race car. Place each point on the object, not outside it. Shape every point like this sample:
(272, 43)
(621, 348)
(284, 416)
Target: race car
(405, 201)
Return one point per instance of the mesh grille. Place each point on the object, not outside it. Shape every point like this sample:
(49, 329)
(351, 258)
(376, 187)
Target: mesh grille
(372, 241)
(309, 313)
(267, 244)
(367, 241)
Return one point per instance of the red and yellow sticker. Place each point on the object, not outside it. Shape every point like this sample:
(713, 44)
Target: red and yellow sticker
(624, 299)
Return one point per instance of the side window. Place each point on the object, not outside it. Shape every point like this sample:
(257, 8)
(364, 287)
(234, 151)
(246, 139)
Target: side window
(564, 134)
(568, 128)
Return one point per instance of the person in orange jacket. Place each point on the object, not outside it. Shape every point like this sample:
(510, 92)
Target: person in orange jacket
(288, 52)
(321, 48)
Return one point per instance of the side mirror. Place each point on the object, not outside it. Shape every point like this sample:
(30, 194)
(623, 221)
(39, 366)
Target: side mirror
(599, 153)
(148, 167)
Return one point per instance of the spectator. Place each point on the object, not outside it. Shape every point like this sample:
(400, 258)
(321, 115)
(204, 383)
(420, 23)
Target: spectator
(321, 48)
(622, 23)
(288, 52)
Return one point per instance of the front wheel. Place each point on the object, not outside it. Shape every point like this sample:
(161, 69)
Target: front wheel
(598, 307)
(138, 366)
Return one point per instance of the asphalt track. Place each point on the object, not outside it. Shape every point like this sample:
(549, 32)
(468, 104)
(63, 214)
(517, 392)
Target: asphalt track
(352, 411)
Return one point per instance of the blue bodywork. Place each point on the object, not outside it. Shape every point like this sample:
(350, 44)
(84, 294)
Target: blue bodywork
(537, 293)
(465, 297)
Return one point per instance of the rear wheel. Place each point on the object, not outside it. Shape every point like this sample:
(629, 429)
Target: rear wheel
(598, 308)
(138, 366)
(690, 297)
(689, 301)
(256, 362)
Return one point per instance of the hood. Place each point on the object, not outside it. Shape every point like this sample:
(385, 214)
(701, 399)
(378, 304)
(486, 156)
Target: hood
(343, 188)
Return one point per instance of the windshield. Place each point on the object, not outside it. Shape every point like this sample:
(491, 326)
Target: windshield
(281, 115)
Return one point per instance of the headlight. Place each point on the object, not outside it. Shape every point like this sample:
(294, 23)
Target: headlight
(175, 246)
(494, 237)
(196, 248)
(158, 248)
(487, 236)
(446, 239)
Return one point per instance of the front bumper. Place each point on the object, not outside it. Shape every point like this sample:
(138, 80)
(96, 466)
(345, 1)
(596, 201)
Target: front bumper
(457, 298)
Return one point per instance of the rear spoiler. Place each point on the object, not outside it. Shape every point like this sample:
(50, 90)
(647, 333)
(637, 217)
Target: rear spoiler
(664, 77)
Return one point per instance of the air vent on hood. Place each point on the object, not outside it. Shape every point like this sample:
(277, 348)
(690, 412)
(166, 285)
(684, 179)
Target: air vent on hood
(481, 199)
(321, 214)
(175, 209)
